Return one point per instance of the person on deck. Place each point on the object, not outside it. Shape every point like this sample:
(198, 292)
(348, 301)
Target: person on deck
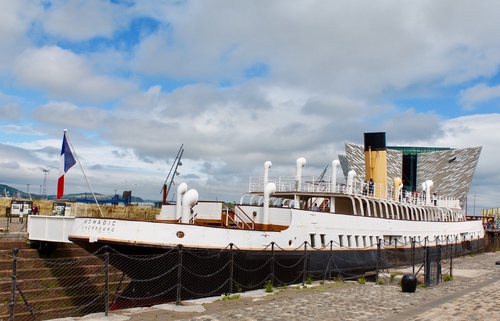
(371, 187)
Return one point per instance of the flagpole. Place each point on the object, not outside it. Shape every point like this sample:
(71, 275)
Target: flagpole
(81, 167)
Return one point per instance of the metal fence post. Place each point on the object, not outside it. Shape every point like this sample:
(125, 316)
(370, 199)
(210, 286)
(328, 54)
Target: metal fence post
(330, 262)
(305, 264)
(379, 255)
(413, 253)
(427, 268)
(396, 252)
(106, 282)
(7, 214)
(179, 276)
(451, 260)
(13, 289)
(438, 263)
(231, 267)
(272, 262)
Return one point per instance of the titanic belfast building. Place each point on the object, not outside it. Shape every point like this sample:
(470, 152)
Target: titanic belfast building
(450, 170)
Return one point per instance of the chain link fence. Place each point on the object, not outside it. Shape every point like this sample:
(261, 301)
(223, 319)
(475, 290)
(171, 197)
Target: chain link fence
(38, 288)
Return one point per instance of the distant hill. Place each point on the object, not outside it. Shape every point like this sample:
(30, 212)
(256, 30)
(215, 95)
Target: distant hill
(8, 191)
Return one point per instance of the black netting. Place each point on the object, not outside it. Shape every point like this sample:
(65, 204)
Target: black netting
(37, 288)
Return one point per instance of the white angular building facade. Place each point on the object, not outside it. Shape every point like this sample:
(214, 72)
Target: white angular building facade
(450, 170)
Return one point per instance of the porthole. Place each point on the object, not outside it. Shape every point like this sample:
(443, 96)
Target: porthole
(180, 234)
(290, 242)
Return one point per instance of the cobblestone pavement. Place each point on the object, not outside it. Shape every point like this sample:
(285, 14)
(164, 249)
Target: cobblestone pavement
(473, 294)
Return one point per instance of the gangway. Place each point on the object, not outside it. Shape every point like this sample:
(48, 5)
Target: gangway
(50, 228)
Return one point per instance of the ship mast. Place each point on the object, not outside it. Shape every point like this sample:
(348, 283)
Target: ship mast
(171, 174)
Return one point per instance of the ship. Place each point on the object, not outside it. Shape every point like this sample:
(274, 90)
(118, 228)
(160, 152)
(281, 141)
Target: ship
(281, 218)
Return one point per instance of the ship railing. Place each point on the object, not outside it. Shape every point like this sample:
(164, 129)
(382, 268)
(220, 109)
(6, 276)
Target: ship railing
(314, 184)
(404, 196)
(291, 184)
(240, 217)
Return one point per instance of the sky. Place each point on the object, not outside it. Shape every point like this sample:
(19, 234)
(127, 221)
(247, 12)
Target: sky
(240, 83)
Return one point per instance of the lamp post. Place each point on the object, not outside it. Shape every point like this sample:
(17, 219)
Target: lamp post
(44, 192)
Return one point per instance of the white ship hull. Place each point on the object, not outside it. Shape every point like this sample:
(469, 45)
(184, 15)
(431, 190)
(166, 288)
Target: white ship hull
(316, 228)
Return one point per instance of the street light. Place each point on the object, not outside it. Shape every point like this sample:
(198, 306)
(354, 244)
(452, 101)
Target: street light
(44, 193)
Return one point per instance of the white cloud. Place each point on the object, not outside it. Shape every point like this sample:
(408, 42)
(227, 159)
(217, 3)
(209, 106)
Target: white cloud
(71, 116)
(354, 48)
(63, 74)
(81, 20)
(477, 94)
(473, 131)
(16, 18)
(10, 111)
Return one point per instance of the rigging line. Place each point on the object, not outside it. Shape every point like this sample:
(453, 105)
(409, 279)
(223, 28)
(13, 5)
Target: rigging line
(84, 175)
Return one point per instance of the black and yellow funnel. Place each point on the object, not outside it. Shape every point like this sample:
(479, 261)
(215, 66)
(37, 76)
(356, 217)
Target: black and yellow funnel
(376, 162)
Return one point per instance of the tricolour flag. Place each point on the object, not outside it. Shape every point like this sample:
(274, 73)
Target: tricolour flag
(67, 161)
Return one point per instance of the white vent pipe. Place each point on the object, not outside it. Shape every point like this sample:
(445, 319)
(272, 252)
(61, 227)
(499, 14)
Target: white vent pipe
(335, 164)
(269, 190)
(267, 166)
(350, 181)
(301, 162)
(189, 200)
(181, 190)
(428, 185)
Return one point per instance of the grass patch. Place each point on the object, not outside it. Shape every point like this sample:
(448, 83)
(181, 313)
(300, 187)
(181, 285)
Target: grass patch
(446, 277)
(269, 288)
(230, 297)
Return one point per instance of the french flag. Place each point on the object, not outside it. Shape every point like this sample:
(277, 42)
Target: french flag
(67, 161)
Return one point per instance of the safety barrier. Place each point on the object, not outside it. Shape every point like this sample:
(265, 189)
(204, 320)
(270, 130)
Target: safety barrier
(37, 288)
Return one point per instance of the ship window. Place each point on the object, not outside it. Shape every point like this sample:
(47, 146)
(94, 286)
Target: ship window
(180, 234)
(348, 240)
(322, 238)
(341, 240)
(313, 240)
(364, 241)
(356, 238)
(371, 240)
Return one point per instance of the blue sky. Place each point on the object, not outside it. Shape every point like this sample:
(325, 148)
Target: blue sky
(239, 83)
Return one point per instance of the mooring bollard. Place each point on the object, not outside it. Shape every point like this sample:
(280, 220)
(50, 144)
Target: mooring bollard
(409, 283)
